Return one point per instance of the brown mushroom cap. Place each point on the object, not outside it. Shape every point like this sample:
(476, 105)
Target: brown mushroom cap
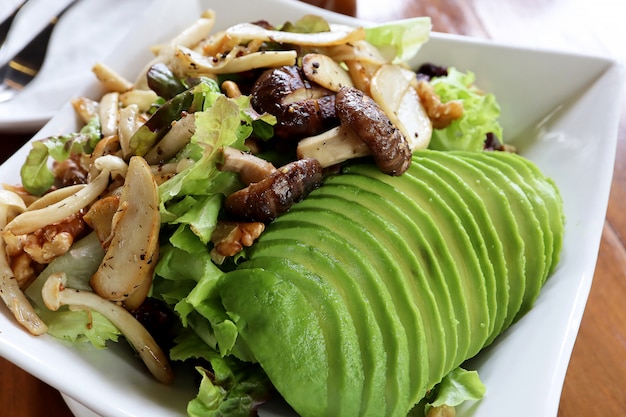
(389, 148)
(301, 108)
(263, 201)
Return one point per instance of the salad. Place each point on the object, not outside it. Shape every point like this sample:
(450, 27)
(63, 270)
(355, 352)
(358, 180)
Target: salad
(176, 173)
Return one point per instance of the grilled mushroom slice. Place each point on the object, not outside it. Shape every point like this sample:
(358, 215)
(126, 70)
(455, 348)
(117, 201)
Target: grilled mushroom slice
(265, 200)
(389, 148)
(125, 274)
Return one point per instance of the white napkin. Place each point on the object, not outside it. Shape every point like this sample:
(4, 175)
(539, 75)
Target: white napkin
(86, 34)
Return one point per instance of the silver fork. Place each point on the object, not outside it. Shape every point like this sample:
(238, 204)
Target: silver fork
(24, 66)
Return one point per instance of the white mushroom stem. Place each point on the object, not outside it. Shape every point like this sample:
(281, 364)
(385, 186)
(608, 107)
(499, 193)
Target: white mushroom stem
(55, 294)
(249, 167)
(17, 302)
(55, 196)
(326, 72)
(112, 164)
(10, 291)
(333, 146)
(32, 220)
(109, 113)
(394, 89)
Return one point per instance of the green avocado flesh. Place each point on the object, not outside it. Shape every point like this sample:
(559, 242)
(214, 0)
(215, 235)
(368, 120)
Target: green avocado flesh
(364, 295)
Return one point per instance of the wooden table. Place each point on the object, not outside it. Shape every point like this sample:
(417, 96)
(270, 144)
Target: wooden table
(595, 384)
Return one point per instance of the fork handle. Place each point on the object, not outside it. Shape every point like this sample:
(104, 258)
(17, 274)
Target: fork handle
(39, 44)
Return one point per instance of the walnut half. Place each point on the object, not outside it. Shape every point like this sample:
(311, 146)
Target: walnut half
(441, 114)
(230, 237)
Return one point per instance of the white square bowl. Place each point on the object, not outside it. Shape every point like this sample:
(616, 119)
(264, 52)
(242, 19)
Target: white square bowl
(560, 109)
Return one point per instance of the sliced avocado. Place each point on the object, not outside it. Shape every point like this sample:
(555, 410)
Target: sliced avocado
(364, 231)
(549, 192)
(538, 203)
(529, 228)
(305, 349)
(362, 263)
(468, 281)
(361, 204)
(381, 262)
(493, 245)
(505, 224)
(312, 254)
(460, 207)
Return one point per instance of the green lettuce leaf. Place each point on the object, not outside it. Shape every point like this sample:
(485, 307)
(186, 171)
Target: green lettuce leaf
(307, 24)
(230, 388)
(78, 264)
(198, 306)
(401, 39)
(480, 114)
(36, 176)
(457, 387)
(216, 127)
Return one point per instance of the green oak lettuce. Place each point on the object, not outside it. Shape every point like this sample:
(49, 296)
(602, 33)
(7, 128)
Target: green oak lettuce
(480, 113)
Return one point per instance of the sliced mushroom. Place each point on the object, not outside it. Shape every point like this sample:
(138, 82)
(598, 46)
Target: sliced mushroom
(129, 122)
(125, 274)
(301, 108)
(323, 70)
(263, 201)
(189, 62)
(362, 60)
(249, 167)
(387, 145)
(55, 294)
(394, 89)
